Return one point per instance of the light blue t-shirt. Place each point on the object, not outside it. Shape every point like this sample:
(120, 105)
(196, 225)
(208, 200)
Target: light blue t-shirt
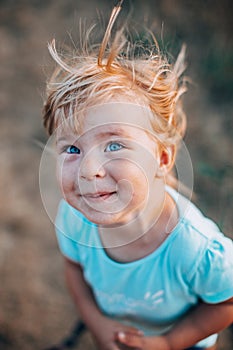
(194, 263)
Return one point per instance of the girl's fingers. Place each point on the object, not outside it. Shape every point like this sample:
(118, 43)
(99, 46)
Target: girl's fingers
(130, 339)
(135, 331)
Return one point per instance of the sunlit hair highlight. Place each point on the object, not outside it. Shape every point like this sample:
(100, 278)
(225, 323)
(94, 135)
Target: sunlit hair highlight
(113, 70)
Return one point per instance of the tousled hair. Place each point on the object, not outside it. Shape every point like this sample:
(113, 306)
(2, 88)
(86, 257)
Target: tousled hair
(100, 73)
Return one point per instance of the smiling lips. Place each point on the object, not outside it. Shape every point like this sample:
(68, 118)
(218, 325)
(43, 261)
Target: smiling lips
(99, 195)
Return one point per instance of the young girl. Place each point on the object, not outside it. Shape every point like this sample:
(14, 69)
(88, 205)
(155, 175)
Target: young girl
(145, 268)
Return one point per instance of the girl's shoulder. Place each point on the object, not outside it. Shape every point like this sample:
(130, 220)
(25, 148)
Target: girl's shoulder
(192, 219)
(197, 239)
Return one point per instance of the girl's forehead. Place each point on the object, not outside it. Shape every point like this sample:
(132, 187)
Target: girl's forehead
(106, 131)
(113, 118)
(118, 115)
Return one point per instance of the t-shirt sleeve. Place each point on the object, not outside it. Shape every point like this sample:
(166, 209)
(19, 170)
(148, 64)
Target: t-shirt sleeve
(212, 279)
(66, 230)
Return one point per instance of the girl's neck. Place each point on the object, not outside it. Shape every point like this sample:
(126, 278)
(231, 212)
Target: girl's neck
(136, 240)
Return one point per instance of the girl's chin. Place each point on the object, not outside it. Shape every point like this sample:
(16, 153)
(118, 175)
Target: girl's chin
(107, 214)
(113, 220)
(107, 220)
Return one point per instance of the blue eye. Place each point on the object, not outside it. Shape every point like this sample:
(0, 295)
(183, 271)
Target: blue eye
(113, 147)
(72, 150)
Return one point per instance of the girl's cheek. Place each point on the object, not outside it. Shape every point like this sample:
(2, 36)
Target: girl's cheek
(66, 164)
(62, 172)
(58, 171)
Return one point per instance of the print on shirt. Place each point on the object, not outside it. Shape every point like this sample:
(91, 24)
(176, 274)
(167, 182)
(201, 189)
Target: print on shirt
(119, 303)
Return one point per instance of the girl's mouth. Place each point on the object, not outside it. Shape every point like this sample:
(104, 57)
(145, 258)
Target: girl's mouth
(99, 196)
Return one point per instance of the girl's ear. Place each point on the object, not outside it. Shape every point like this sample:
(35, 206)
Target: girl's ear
(166, 160)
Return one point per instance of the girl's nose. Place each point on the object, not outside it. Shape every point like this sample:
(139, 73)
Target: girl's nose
(91, 167)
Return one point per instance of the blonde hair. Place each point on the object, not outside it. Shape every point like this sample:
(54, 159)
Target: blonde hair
(100, 73)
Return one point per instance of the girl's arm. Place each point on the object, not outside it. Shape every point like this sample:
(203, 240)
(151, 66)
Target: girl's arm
(204, 320)
(103, 329)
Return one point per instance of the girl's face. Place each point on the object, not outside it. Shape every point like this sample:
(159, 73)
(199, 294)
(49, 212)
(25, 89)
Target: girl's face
(111, 172)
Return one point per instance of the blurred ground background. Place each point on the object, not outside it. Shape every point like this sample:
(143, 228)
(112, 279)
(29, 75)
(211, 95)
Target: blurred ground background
(35, 309)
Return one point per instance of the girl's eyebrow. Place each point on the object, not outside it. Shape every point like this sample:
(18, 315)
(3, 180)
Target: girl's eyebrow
(66, 139)
(112, 133)
(61, 139)
(119, 131)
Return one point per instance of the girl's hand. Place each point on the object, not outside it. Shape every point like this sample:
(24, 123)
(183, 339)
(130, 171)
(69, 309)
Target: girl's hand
(143, 343)
(106, 334)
